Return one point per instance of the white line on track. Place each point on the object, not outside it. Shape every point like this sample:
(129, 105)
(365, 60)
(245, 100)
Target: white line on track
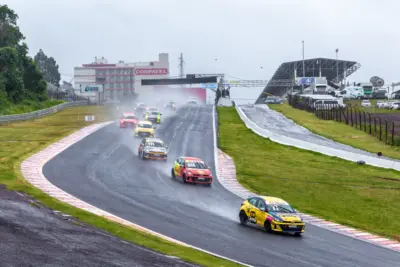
(112, 151)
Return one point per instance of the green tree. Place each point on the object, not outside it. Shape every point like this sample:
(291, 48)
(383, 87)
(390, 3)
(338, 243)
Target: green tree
(10, 35)
(48, 67)
(19, 76)
(12, 84)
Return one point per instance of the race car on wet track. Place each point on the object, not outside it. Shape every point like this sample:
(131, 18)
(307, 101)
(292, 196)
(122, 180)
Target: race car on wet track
(144, 128)
(140, 108)
(271, 213)
(153, 148)
(128, 119)
(153, 116)
(170, 105)
(192, 170)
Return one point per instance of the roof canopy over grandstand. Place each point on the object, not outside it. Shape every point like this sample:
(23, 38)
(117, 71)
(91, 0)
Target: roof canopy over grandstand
(283, 79)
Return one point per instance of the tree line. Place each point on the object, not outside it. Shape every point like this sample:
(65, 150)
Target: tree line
(21, 76)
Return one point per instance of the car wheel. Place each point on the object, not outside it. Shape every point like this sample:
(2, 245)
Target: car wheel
(143, 158)
(267, 227)
(172, 173)
(184, 179)
(243, 218)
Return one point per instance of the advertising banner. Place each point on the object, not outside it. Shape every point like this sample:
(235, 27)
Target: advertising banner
(93, 88)
(152, 71)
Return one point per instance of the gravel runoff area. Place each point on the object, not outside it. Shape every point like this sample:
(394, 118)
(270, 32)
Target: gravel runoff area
(33, 235)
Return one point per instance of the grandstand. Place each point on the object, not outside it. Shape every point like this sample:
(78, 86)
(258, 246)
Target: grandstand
(283, 79)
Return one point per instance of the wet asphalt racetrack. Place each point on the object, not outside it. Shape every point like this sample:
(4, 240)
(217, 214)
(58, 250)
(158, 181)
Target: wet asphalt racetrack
(103, 169)
(275, 122)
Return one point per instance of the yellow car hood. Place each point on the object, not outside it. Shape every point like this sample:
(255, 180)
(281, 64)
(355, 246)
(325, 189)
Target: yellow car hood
(287, 217)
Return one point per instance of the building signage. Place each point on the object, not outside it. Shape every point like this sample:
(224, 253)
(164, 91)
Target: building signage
(95, 88)
(209, 86)
(151, 71)
(305, 80)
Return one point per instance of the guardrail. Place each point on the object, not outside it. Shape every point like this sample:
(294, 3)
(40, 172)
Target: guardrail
(40, 113)
(288, 141)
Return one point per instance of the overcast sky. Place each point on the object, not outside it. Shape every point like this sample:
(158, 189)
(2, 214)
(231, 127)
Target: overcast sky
(244, 35)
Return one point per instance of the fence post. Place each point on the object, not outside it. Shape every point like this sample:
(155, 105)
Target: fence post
(365, 124)
(347, 115)
(359, 117)
(380, 129)
(370, 124)
(351, 116)
(375, 126)
(392, 133)
(386, 131)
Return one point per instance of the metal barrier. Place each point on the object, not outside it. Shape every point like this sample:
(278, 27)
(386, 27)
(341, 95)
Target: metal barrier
(40, 113)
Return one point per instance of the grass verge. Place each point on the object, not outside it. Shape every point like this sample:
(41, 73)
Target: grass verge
(338, 131)
(360, 196)
(28, 106)
(20, 140)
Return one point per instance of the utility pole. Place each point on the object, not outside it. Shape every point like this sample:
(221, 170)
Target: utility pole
(181, 67)
(304, 70)
(337, 64)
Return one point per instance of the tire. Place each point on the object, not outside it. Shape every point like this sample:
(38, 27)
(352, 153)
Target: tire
(243, 218)
(173, 173)
(184, 179)
(143, 158)
(267, 227)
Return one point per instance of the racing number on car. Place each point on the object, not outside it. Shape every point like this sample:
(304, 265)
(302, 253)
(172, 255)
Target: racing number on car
(252, 214)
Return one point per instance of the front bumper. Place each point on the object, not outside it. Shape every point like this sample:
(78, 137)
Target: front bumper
(155, 156)
(144, 134)
(127, 125)
(199, 180)
(287, 227)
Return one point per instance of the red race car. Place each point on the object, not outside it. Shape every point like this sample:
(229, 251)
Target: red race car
(192, 170)
(128, 119)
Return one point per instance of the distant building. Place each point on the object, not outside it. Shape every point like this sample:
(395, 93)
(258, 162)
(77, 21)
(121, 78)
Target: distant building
(119, 79)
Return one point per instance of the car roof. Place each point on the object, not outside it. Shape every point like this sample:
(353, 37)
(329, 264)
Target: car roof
(128, 113)
(151, 139)
(272, 200)
(145, 122)
(192, 158)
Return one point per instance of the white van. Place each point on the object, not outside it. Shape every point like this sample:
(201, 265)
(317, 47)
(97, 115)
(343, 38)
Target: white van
(352, 92)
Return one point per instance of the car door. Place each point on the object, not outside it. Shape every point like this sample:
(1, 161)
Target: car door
(261, 214)
(251, 210)
(177, 167)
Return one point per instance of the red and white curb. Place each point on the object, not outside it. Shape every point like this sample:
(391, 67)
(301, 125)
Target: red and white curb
(226, 175)
(32, 167)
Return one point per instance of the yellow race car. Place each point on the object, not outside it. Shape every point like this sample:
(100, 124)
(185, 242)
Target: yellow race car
(271, 213)
(144, 129)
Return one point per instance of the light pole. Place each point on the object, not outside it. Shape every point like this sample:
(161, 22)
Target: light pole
(304, 69)
(337, 64)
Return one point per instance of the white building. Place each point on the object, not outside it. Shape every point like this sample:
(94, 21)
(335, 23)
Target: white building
(119, 79)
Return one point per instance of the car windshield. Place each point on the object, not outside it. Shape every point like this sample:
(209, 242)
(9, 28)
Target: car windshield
(129, 117)
(155, 144)
(142, 125)
(154, 113)
(280, 208)
(194, 164)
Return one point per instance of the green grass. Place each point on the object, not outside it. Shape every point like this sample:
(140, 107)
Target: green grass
(357, 104)
(19, 140)
(338, 131)
(360, 196)
(28, 106)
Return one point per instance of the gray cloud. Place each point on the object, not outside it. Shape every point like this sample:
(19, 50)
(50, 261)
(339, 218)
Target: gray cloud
(243, 35)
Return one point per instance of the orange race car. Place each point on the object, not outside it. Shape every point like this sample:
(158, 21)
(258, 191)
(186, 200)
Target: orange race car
(192, 170)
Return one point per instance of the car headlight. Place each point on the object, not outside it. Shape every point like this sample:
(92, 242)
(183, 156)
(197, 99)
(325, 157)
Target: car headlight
(189, 173)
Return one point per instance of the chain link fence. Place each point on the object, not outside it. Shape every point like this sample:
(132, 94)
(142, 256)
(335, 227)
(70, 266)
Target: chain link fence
(40, 113)
(387, 131)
